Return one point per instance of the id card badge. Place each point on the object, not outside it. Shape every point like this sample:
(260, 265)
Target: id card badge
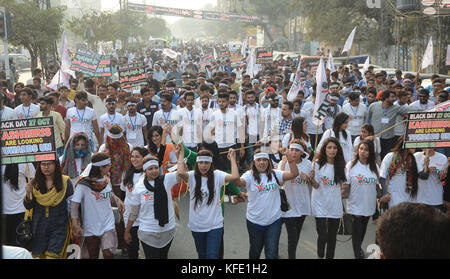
(356, 122)
(385, 120)
(132, 135)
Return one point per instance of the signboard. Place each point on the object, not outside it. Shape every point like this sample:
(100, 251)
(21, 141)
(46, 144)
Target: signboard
(132, 74)
(28, 140)
(91, 64)
(224, 53)
(206, 60)
(236, 58)
(264, 55)
(428, 129)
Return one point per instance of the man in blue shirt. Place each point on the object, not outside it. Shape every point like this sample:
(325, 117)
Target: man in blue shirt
(175, 74)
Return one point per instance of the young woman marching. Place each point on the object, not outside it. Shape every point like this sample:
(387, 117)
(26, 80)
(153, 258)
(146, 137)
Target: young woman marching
(130, 180)
(149, 203)
(76, 157)
(399, 176)
(299, 128)
(368, 133)
(340, 132)
(327, 177)
(362, 175)
(94, 194)
(205, 210)
(264, 203)
(46, 201)
(298, 196)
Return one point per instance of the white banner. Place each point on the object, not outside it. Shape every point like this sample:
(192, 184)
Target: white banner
(428, 56)
(322, 102)
(366, 65)
(296, 85)
(349, 42)
(330, 63)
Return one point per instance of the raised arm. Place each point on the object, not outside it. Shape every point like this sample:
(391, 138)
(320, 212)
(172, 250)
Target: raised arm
(181, 171)
(293, 170)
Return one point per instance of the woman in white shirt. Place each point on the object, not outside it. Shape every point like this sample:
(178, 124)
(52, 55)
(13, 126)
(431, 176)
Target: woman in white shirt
(149, 203)
(298, 196)
(362, 175)
(129, 182)
(93, 193)
(205, 210)
(368, 133)
(264, 203)
(340, 132)
(299, 128)
(327, 176)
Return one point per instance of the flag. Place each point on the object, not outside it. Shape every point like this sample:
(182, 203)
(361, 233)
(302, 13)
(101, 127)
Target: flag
(322, 103)
(170, 53)
(59, 80)
(366, 65)
(349, 42)
(428, 56)
(215, 54)
(100, 50)
(244, 48)
(330, 63)
(296, 86)
(65, 56)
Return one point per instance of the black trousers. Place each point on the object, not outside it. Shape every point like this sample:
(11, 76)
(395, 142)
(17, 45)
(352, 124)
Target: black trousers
(327, 230)
(133, 247)
(358, 233)
(11, 223)
(293, 227)
(156, 253)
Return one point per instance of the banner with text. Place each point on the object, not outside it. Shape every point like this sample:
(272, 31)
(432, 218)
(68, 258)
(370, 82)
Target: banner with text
(264, 55)
(132, 74)
(236, 58)
(91, 64)
(28, 140)
(428, 129)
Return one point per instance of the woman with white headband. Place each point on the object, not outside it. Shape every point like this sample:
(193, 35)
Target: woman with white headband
(297, 193)
(149, 202)
(205, 210)
(94, 194)
(264, 203)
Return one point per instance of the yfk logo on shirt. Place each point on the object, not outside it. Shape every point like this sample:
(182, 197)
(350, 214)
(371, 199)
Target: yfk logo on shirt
(368, 180)
(76, 118)
(267, 187)
(328, 181)
(148, 196)
(298, 180)
(101, 196)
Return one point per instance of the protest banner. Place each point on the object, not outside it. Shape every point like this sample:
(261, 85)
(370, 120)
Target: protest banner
(91, 64)
(131, 75)
(236, 58)
(206, 60)
(28, 140)
(264, 55)
(224, 53)
(428, 130)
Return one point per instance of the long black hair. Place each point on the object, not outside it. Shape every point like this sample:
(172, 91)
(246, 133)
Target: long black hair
(372, 156)
(96, 171)
(151, 146)
(297, 129)
(405, 154)
(39, 179)
(337, 123)
(11, 174)
(198, 180)
(339, 161)
(128, 179)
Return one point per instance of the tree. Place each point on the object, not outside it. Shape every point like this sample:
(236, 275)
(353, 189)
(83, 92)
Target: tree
(34, 29)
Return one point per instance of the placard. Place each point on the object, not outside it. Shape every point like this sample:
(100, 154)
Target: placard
(224, 53)
(132, 74)
(264, 55)
(28, 140)
(91, 64)
(206, 60)
(428, 129)
(236, 58)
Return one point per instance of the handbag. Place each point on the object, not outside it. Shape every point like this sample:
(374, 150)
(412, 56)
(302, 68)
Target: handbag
(24, 233)
(346, 223)
(284, 201)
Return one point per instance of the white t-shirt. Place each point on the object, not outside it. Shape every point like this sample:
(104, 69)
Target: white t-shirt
(357, 116)
(23, 112)
(8, 113)
(204, 217)
(190, 122)
(133, 128)
(226, 127)
(297, 192)
(421, 107)
(346, 144)
(81, 120)
(362, 200)
(270, 116)
(326, 200)
(136, 180)
(430, 191)
(107, 120)
(205, 116)
(96, 209)
(289, 136)
(69, 104)
(397, 185)
(253, 113)
(311, 128)
(377, 145)
(140, 196)
(13, 200)
(264, 204)
(161, 118)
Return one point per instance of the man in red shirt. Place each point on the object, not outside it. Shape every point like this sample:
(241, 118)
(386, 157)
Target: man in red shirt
(56, 106)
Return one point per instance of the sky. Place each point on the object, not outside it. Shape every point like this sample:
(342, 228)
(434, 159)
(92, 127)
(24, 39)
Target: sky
(184, 4)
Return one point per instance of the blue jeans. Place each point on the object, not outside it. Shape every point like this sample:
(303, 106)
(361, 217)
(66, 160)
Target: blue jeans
(264, 236)
(208, 243)
(249, 154)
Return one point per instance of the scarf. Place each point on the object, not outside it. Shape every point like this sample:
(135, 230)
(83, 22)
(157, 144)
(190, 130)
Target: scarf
(96, 185)
(161, 208)
(69, 167)
(119, 152)
(399, 164)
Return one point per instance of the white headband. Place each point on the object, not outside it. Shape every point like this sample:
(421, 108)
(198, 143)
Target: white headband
(102, 163)
(150, 163)
(204, 159)
(114, 136)
(223, 84)
(261, 155)
(296, 146)
(131, 104)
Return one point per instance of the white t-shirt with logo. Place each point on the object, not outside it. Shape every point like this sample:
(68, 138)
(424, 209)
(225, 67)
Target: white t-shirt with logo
(13, 200)
(136, 180)
(362, 200)
(430, 190)
(161, 118)
(190, 122)
(23, 112)
(326, 200)
(96, 209)
(397, 185)
(226, 127)
(133, 128)
(140, 196)
(346, 144)
(81, 120)
(297, 192)
(264, 203)
(107, 120)
(204, 217)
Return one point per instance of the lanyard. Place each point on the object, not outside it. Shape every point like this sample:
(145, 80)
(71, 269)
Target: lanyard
(190, 118)
(166, 119)
(81, 118)
(131, 121)
(26, 115)
(112, 120)
(356, 113)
